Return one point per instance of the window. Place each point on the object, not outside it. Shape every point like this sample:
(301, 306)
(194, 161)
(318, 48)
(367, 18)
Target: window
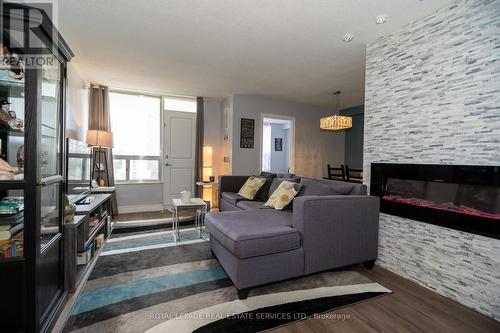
(179, 104)
(79, 168)
(136, 125)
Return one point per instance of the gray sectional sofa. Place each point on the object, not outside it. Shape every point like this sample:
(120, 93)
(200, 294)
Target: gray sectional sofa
(329, 224)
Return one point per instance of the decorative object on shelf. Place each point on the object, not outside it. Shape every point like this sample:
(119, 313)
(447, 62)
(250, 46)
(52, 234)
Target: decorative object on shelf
(99, 241)
(69, 210)
(12, 62)
(335, 122)
(11, 206)
(4, 56)
(15, 123)
(247, 133)
(185, 197)
(20, 157)
(211, 179)
(5, 116)
(278, 144)
(98, 140)
(6, 170)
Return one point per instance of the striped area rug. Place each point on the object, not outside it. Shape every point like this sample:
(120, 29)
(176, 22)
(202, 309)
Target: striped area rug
(146, 283)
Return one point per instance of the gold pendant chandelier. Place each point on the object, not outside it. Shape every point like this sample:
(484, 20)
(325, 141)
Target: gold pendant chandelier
(335, 122)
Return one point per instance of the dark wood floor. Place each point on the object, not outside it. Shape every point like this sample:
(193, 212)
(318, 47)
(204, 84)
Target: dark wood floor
(410, 308)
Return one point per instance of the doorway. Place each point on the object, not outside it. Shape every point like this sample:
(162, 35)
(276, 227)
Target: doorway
(278, 144)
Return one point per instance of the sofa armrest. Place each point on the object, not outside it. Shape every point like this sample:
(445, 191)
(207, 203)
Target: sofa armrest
(231, 183)
(337, 230)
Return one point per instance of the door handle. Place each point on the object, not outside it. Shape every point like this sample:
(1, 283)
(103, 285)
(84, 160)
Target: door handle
(168, 164)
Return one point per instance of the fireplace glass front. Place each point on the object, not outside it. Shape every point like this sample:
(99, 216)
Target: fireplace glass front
(477, 200)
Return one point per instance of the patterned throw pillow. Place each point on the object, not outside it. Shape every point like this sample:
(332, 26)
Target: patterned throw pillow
(251, 187)
(283, 195)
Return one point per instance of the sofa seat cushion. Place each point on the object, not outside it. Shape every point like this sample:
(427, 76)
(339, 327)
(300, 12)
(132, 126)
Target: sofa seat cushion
(246, 205)
(253, 233)
(232, 197)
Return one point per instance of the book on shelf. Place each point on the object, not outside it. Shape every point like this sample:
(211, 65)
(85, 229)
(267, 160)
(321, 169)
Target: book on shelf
(13, 247)
(12, 231)
(49, 230)
(93, 222)
(13, 219)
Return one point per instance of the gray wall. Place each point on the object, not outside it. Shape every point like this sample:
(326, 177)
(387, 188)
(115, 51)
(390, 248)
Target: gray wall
(313, 148)
(354, 137)
(432, 96)
(279, 159)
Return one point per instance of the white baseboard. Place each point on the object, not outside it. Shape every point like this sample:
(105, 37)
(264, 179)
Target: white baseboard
(139, 208)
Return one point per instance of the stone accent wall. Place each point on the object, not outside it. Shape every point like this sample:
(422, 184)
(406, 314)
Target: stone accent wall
(433, 96)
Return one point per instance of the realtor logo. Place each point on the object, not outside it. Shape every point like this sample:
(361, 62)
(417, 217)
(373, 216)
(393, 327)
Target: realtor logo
(25, 27)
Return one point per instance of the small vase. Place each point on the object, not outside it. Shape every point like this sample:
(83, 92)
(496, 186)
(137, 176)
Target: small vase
(185, 197)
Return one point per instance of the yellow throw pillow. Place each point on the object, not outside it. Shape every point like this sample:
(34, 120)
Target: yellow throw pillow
(283, 195)
(251, 187)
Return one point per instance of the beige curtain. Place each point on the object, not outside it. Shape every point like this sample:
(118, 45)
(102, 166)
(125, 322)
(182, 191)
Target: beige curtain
(99, 119)
(198, 175)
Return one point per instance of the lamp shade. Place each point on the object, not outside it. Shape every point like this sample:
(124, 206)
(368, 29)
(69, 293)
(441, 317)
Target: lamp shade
(98, 138)
(207, 164)
(335, 123)
(207, 156)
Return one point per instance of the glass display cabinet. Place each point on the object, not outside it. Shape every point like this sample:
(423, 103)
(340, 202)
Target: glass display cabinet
(33, 59)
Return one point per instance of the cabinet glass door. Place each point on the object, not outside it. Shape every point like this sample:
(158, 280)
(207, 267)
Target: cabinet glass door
(50, 127)
(49, 164)
(50, 150)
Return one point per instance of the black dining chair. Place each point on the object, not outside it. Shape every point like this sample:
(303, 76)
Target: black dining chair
(336, 173)
(353, 175)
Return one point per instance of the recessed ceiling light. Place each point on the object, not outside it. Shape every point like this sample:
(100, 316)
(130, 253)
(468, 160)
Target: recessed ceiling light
(381, 19)
(348, 38)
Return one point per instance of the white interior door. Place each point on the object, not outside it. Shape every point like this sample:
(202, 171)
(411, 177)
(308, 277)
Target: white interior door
(179, 135)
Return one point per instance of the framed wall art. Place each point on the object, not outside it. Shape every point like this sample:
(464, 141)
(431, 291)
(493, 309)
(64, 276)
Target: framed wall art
(247, 133)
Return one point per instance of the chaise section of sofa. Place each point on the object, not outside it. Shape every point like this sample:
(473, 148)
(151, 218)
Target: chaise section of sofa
(330, 224)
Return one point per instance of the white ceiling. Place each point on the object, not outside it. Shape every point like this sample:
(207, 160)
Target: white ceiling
(289, 49)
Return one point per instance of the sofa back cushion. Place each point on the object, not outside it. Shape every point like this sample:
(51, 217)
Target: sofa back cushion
(264, 192)
(312, 187)
(357, 189)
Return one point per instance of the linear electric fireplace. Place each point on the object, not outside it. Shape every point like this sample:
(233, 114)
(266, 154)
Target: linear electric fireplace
(461, 197)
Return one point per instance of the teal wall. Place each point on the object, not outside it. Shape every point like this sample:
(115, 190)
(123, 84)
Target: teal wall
(354, 137)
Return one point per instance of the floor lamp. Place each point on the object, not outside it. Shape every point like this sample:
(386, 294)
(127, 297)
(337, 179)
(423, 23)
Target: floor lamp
(98, 140)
